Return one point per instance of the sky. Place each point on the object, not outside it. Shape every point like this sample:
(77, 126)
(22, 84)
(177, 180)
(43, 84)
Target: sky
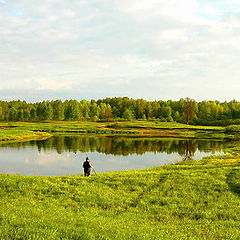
(92, 49)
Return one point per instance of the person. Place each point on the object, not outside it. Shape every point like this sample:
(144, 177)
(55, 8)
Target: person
(87, 167)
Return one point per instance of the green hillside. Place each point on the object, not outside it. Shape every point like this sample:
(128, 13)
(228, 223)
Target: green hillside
(191, 200)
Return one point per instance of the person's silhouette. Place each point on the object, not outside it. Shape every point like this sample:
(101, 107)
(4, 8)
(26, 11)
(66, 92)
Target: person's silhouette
(87, 167)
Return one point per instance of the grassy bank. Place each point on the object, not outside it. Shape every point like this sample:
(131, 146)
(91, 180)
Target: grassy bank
(191, 200)
(161, 125)
(17, 134)
(140, 128)
(68, 127)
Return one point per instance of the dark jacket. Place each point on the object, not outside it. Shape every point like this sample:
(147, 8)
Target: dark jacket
(86, 165)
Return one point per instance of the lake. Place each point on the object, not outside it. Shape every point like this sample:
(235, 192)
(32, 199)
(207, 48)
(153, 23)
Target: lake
(64, 155)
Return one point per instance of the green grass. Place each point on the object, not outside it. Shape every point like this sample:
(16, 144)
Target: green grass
(161, 125)
(14, 134)
(191, 200)
(140, 128)
(85, 125)
(69, 127)
(12, 131)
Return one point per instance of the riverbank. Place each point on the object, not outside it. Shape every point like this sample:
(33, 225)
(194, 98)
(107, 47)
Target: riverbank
(127, 128)
(190, 200)
(8, 134)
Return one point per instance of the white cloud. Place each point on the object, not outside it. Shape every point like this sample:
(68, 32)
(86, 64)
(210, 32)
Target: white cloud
(145, 10)
(178, 35)
(106, 45)
(49, 84)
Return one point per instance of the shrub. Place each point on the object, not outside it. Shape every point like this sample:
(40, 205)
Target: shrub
(232, 128)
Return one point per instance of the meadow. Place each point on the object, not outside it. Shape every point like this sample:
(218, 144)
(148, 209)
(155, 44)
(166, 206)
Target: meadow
(17, 134)
(31, 130)
(190, 200)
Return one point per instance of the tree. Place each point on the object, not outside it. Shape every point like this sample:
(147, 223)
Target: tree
(58, 110)
(20, 115)
(139, 108)
(44, 111)
(128, 114)
(13, 114)
(107, 115)
(71, 111)
(148, 110)
(26, 114)
(103, 108)
(94, 111)
(189, 108)
(166, 112)
(33, 114)
(85, 109)
(48, 114)
(176, 116)
(95, 118)
(1, 113)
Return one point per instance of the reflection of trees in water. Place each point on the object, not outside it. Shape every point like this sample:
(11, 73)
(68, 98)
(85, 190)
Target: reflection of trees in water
(190, 149)
(124, 146)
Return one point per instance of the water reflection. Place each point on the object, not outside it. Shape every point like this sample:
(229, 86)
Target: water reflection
(60, 155)
(123, 146)
(190, 149)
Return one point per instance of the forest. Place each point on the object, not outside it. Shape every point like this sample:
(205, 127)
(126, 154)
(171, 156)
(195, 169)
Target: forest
(109, 109)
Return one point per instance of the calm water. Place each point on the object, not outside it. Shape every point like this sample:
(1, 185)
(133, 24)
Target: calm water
(63, 155)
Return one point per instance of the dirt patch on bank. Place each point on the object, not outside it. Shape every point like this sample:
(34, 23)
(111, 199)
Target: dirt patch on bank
(6, 127)
(163, 132)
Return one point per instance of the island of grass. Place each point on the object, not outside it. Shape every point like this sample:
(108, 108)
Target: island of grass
(190, 200)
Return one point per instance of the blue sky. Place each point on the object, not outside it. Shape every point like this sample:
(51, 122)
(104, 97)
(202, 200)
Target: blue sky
(91, 49)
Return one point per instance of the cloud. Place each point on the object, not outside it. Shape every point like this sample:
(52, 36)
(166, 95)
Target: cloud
(111, 48)
(144, 10)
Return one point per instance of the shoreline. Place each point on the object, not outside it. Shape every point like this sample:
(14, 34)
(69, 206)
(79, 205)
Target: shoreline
(19, 131)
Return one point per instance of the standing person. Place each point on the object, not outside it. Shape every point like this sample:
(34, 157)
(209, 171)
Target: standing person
(87, 167)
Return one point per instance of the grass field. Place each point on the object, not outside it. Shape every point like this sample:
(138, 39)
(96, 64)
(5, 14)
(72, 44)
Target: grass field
(161, 125)
(16, 134)
(191, 200)
(67, 126)
(141, 128)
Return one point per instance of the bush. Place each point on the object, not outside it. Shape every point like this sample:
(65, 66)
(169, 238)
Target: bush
(232, 128)
(217, 122)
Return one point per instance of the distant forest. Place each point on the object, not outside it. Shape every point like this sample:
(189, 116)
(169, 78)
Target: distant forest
(110, 109)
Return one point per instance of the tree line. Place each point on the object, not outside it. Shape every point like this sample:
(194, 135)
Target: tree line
(184, 111)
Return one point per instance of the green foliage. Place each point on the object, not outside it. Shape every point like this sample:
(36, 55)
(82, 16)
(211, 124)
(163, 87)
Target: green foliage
(184, 110)
(128, 114)
(13, 115)
(189, 110)
(71, 111)
(95, 118)
(232, 129)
